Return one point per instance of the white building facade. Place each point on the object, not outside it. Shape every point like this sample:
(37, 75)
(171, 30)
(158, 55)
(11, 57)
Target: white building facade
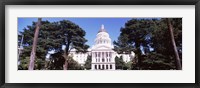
(103, 55)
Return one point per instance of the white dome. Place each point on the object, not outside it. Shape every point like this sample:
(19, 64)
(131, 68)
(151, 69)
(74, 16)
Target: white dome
(102, 38)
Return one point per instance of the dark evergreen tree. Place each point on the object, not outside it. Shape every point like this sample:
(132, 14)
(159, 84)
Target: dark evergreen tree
(151, 41)
(52, 36)
(88, 62)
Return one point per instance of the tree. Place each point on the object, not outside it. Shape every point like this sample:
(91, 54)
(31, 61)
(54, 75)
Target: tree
(135, 36)
(52, 36)
(72, 37)
(73, 65)
(55, 61)
(129, 65)
(88, 62)
(47, 41)
(178, 62)
(32, 57)
(119, 63)
(164, 49)
(151, 42)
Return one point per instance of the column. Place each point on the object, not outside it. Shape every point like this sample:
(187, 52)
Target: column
(101, 56)
(108, 57)
(113, 66)
(105, 56)
(92, 65)
(98, 55)
(105, 60)
(93, 57)
(112, 58)
(98, 66)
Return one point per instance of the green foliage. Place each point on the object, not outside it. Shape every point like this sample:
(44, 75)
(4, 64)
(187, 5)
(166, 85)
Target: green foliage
(88, 62)
(55, 62)
(73, 65)
(52, 35)
(150, 40)
(72, 36)
(119, 63)
(24, 62)
(128, 65)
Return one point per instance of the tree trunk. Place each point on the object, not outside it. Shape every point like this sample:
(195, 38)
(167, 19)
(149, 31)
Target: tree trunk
(178, 62)
(65, 66)
(138, 52)
(32, 57)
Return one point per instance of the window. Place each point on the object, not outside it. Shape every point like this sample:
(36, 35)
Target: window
(102, 59)
(95, 66)
(99, 54)
(106, 54)
(103, 67)
(110, 66)
(106, 66)
(99, 66)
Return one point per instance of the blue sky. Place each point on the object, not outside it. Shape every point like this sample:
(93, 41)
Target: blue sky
(90, 25)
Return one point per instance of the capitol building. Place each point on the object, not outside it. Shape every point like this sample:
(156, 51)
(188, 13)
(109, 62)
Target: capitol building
(102, 53)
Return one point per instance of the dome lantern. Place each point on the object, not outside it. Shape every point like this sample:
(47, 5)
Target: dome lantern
(102, 29)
